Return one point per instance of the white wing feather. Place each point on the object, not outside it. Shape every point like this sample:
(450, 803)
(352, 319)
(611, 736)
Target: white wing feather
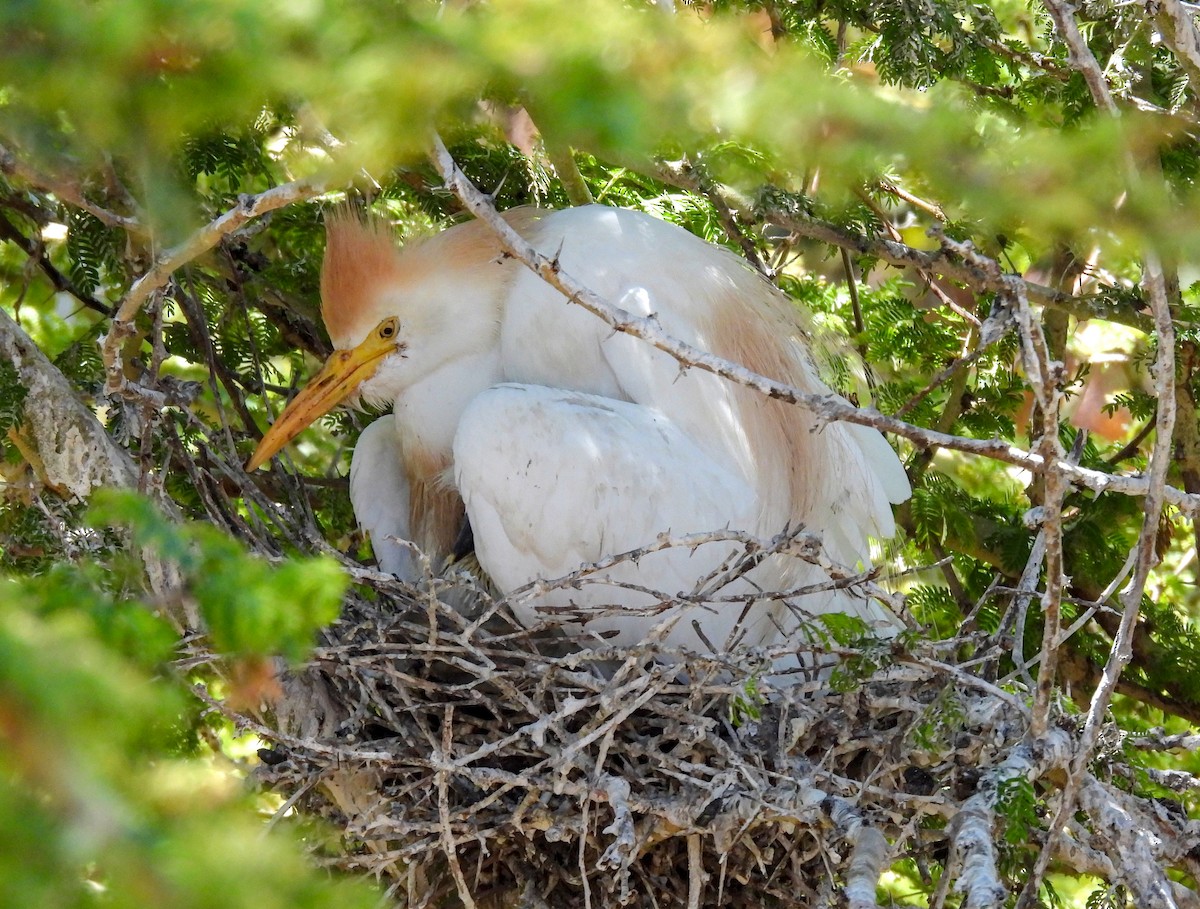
(650, 267)
(379, 494)
(555, 479)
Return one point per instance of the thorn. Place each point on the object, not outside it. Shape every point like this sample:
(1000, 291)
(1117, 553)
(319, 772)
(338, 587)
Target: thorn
(555, 264)
(499, 186)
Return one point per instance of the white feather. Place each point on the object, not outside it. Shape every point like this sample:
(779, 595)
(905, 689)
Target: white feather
(379, 496)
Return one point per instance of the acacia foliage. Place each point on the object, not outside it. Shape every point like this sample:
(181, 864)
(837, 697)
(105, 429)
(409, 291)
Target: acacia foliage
(800, 134)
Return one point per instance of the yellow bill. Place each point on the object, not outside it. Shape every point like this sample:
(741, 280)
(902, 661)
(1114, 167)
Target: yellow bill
(342, 373)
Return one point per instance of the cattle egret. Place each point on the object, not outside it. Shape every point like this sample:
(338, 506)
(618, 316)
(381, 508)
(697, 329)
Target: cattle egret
(566, 442)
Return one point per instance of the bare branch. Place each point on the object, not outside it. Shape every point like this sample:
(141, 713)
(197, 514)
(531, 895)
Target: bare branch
(867, 862)
(1082, 59)
(248, 208)
(66, 190)
(826, 408)
(1138, 851)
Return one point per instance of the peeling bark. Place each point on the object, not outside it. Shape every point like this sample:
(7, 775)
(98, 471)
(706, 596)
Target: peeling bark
(78, 455)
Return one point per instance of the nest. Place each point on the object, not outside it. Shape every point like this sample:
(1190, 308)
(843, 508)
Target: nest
(467, 760)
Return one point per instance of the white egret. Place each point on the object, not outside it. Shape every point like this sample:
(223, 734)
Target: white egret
(566, 442)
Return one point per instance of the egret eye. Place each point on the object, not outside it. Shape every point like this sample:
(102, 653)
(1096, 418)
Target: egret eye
(387, 329)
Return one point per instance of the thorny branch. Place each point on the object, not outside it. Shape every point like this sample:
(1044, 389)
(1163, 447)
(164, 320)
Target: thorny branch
(1154, 282)
(824, 407)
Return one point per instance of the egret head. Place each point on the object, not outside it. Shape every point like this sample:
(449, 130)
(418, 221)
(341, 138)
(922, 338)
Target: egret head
(394, 316)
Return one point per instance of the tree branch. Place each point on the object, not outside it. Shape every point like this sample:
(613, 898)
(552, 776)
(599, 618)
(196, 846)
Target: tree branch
(248, 208)
(780, 208)
(66, 190)
(1177, 26)
(78, 454)
(1083, 61)
(942, 263)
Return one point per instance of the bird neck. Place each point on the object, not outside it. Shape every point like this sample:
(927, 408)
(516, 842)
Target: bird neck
(428, 413)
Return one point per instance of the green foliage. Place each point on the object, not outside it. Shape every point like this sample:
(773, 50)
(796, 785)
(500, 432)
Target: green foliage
(746, 706)
(934, 606)
(249, 607)
(1108, 898)
(93, 250)
(232, 156)
(940, 723)
(102, 794)
(1017, 804)
(863, 655)
(95, 802)
(80, 361)
(12, 396)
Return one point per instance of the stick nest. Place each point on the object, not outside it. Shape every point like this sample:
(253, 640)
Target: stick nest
(468, 760)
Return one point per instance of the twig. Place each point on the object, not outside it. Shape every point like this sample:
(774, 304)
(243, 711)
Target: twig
(856, 308)
(959, 366)
(695, 872)
(900, 192)
(1157, 740)
(1130, 448)
(692, 177)
(443, 798)
(61, 282)
(248, 208)
(1138, 849)
(1131, 597)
